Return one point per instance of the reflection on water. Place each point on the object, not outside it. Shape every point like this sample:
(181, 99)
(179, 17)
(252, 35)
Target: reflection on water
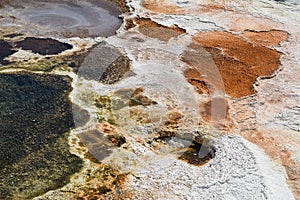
(82, 17)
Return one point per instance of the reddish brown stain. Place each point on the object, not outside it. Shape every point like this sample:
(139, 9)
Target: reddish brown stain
(152, 29)
(162, 6)
(266, 38)
(216, 108)
(216, 111)
(172, 123)
(194, 78)
(239, 61)
(201, 70)
(102, 184)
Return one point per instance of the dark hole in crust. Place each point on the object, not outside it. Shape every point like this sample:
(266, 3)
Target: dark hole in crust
(43, 46)
(198, 154)
(189, 150)
(117, 140)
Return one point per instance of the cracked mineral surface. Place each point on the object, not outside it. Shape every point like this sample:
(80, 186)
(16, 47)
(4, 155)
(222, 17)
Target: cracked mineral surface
(150, 99)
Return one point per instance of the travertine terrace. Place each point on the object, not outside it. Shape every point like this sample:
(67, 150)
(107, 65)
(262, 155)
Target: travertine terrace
(150, 99)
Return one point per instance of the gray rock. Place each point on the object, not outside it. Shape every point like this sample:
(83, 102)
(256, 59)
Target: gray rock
(106, 64)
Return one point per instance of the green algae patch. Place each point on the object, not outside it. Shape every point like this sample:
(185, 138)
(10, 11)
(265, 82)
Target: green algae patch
(130, 102)
(36, 116)
(101, 182)
(46, 64)
(105, 114)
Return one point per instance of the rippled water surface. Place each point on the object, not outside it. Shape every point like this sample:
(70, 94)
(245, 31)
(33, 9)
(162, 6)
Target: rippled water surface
(82, 17)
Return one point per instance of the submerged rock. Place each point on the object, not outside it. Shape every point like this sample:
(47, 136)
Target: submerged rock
(5, 51)
(36, 116)
(106, 64)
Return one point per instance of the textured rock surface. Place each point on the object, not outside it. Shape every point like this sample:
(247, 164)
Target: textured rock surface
(207, 107)
(105, 64)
